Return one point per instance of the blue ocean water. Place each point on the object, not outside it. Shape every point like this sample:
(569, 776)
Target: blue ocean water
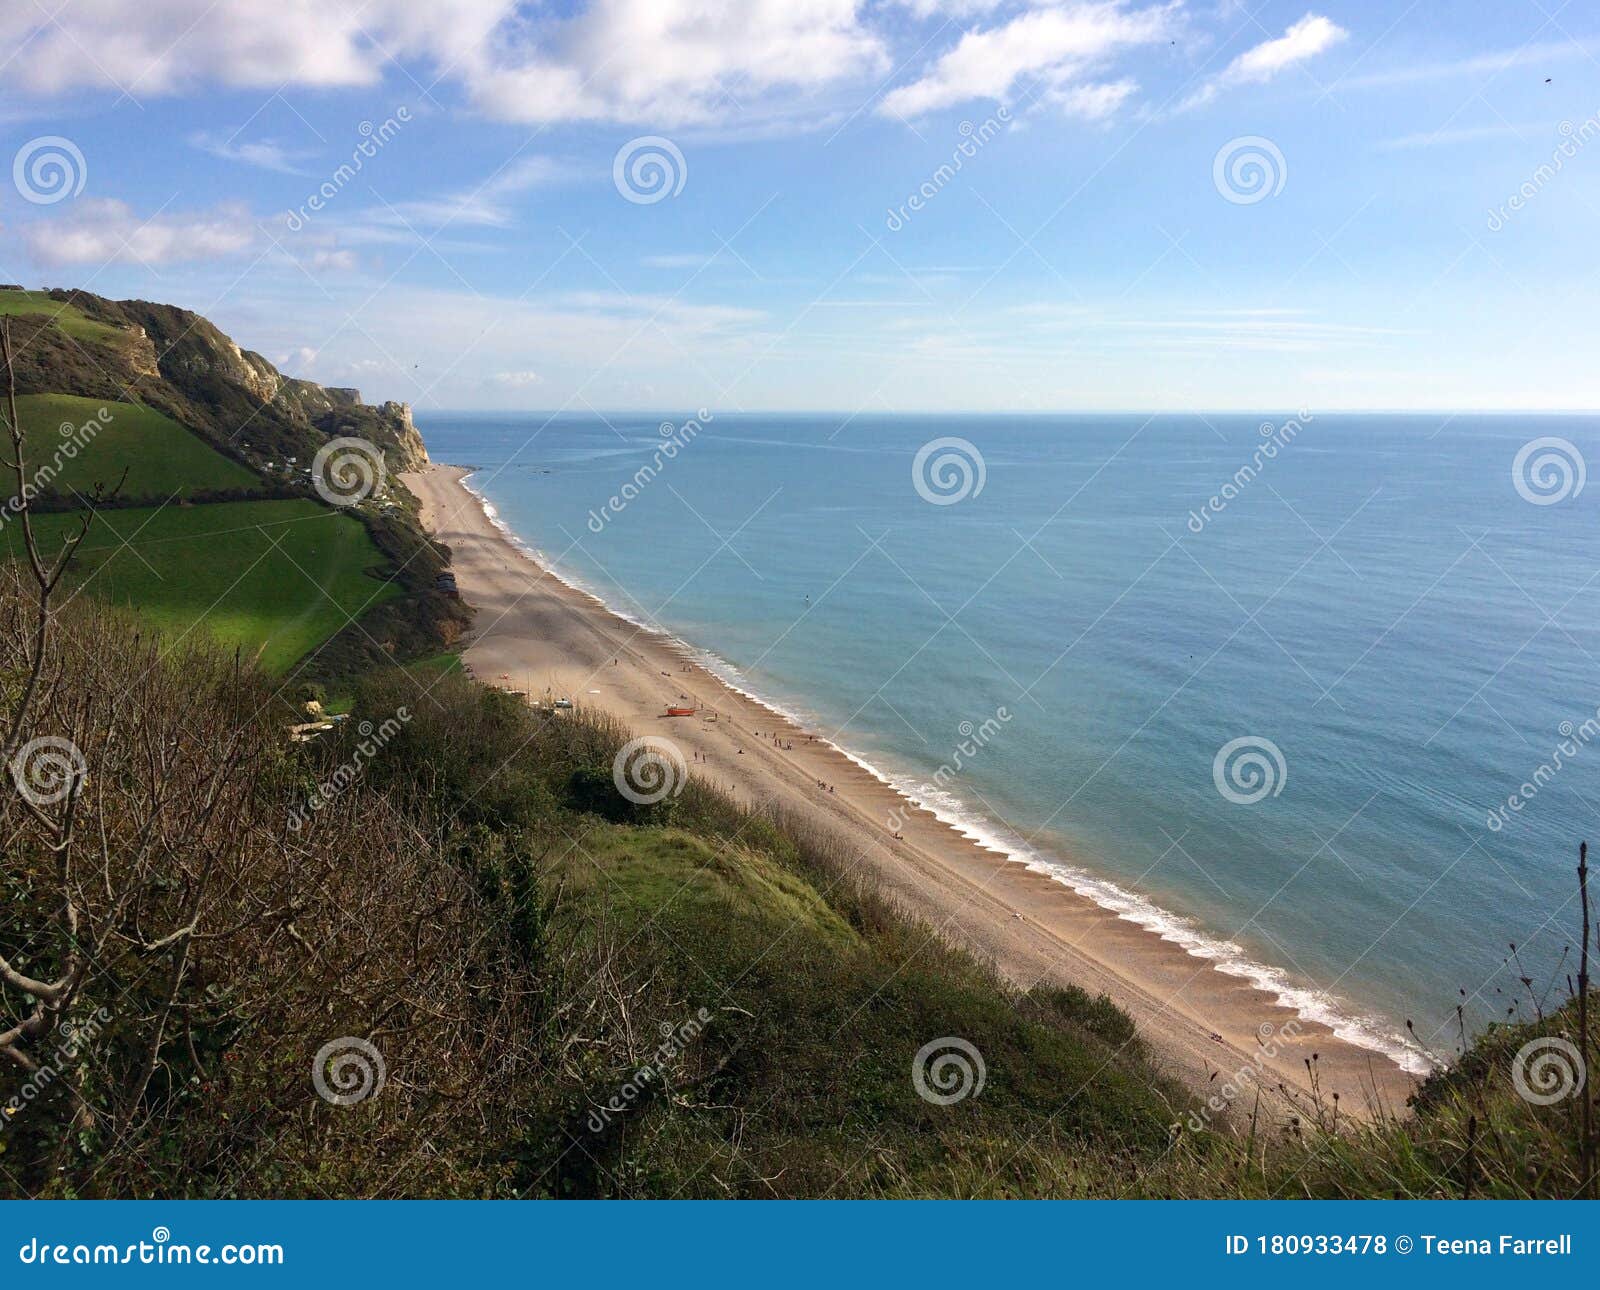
(1401, 638)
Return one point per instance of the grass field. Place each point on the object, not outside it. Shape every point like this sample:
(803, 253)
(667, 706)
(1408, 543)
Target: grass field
(69, 318)
(160, 456)
(277, 578)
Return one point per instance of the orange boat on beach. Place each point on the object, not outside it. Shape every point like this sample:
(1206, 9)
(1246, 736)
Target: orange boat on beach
(680, 712)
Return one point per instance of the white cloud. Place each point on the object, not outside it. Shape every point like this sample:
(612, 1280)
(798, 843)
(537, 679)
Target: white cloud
(683, 260)
(665, 61)
(1092, 102)
(339, 261)
(673, 62)
(1478, 66)
(669, 64)
(262, 153)
(517, 380)
(163, 46)
(485, 205)
(1469, 134)
(948, 8)
(1054, 45)
(1305, 39)
(669, 311)
(104, 231)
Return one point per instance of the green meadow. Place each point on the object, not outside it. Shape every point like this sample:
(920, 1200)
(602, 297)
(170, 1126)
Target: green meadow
(161, 458)
(273, 578)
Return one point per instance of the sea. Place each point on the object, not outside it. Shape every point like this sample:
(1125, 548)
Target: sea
(1315, 696)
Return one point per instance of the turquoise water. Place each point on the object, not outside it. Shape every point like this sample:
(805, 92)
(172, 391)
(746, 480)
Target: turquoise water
(1379, 601)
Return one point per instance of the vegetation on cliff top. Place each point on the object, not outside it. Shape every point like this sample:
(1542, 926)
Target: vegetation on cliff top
(274, 579)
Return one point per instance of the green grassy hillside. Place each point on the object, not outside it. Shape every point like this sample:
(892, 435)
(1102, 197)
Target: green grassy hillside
(274, 578)
(69, 318)
(162, 459)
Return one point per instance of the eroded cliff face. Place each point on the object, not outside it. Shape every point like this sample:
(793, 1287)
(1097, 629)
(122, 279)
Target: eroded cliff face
(141, 353)
(178, 361)
(407, 436)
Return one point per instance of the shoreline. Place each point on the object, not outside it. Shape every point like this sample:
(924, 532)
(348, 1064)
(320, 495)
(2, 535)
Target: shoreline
(1199, 1003)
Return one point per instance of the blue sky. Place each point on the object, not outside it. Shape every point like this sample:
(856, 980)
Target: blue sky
(1157, 205)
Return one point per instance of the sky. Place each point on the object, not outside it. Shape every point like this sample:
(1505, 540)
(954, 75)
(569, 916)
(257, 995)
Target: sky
(892, 206)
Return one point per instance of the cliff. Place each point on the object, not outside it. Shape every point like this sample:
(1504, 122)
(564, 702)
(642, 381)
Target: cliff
(177, 361)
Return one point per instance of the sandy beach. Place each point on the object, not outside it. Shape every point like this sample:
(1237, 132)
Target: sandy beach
(534, 633)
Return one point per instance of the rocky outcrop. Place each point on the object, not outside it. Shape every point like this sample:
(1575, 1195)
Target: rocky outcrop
(408, 439)
(141, 353)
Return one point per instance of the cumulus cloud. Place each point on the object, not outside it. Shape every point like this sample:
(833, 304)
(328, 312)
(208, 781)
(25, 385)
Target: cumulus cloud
(1305, 39)
(1056, 46)
(104, 231)
(163, 46)
(948, 8)
(764, 64)
(667, 61)
(674, 61)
